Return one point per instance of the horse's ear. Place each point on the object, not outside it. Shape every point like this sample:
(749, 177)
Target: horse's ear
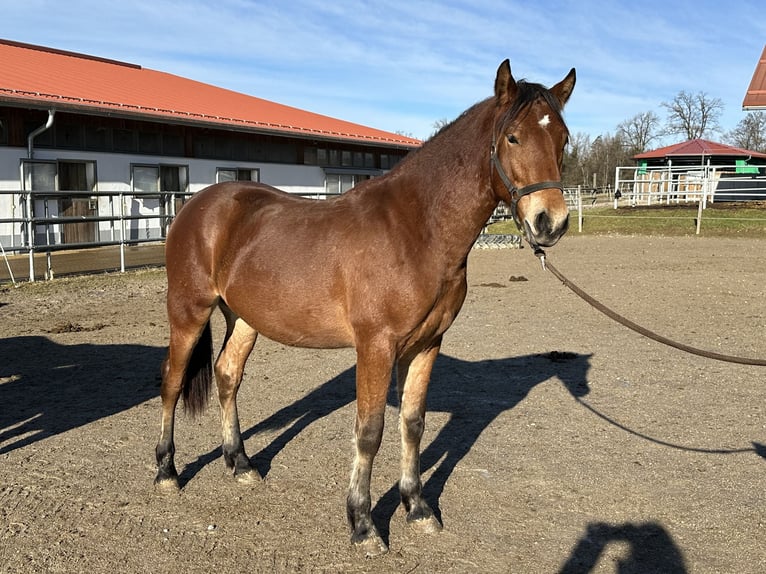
(505, 85)
(564, 88)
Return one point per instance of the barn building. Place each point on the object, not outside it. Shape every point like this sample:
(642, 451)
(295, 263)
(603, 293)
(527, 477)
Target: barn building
(96, 151)
(755, 97)
(694, 170)
(700, 152)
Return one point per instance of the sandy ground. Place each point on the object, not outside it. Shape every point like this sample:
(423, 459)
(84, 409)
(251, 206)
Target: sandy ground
(556, 441)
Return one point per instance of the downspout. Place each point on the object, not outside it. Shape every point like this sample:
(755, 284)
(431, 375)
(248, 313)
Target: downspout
(37, 132)
(30, 227)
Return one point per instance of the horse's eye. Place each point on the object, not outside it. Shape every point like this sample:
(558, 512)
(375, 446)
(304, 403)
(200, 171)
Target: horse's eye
(512, 139)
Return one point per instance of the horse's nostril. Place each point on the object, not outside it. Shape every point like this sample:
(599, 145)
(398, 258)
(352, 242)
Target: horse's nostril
(543, 223)
(547, 230)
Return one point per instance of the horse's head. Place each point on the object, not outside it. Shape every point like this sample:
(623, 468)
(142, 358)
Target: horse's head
(528, 142)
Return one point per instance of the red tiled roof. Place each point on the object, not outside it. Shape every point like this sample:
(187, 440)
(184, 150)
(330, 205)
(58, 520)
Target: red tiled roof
(755, 97)
(76, 82)
(696, 148)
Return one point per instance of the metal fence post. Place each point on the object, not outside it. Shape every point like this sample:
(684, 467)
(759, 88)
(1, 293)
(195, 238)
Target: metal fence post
(30, 236)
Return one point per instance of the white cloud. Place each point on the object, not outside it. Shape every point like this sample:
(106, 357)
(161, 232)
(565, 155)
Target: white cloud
(402, 65)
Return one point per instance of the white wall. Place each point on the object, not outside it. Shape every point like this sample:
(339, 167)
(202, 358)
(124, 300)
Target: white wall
(113, 175)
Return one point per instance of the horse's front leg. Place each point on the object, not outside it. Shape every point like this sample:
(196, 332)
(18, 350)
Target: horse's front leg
(373, 376)
(412, 383)
(229, 368)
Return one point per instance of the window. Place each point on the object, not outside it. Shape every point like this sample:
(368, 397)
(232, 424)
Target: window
(338, 158)
(125, 140)
(3, 131)
(69, 136)
(172, 144)
(149, 142)
(237, 174)
(310, 155)
(160, 193)
(77, 177)
(337, 183)
(98, 138)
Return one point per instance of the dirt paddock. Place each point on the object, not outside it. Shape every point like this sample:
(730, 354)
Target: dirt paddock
(556, 440)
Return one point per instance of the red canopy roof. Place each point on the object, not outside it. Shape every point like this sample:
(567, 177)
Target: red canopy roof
(77, 82)
(755, 97)
(698, 148)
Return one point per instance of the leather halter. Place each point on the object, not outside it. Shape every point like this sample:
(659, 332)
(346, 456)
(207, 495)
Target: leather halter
(516, 193)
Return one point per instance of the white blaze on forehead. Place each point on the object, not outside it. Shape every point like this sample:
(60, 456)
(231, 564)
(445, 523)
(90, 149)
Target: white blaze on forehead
(545, 120)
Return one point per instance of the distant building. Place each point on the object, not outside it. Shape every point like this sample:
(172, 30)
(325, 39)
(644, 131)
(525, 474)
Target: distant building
(755, 97)
(694, 170)
(91, 127)
(699, 153)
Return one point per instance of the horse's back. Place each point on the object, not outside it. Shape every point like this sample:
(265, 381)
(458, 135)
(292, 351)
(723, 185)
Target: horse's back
(217, 204)
(216, 215)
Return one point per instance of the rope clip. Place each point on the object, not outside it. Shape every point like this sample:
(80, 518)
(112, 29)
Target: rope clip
(541, 254)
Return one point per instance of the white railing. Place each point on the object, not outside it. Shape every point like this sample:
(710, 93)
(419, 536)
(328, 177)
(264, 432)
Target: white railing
(671, 185)
(123, 219)
(119, 219)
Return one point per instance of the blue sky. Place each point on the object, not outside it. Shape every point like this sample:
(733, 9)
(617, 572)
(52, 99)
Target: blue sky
(405, 64)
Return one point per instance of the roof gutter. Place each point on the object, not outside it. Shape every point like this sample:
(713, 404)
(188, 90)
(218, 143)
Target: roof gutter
(31, 137)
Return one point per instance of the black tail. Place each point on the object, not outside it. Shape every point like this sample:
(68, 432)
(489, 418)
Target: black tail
(199, 375)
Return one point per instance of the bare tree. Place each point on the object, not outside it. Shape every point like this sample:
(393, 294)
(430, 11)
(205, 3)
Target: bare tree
(592, 164)
(439, 125)
(693, 115)
(639, 131)
(576, 154)
(750, 132)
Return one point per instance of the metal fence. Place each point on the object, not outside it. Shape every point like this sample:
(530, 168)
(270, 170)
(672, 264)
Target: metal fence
(679, 185)
(37, 226)
(39, 223)
(670, 184)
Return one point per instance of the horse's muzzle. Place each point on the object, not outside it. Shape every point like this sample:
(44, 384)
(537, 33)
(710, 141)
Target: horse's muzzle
(545, 231)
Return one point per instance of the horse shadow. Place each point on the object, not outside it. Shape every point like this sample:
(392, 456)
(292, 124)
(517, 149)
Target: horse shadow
(473, 393)
(50, 388)
(650, 549)
(292, 419)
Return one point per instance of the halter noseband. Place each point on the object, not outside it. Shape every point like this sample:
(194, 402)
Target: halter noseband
(516, 193)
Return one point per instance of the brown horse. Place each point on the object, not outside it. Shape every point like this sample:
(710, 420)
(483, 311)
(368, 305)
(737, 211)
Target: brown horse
(381, 268)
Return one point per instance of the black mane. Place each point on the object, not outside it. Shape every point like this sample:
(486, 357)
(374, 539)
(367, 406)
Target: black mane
(528, 93)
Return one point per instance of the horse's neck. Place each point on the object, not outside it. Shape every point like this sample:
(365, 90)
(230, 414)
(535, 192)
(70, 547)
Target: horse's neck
(453, 190)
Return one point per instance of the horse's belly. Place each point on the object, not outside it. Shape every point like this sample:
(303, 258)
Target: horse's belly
(300, 326)
(313, 338)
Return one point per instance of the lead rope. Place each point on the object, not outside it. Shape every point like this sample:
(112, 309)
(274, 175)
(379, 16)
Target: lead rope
(638, 328)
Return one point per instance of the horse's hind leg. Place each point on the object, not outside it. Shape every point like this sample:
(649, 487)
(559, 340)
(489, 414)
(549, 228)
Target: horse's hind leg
(412, 383)
(229, 368)
(187, 363)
